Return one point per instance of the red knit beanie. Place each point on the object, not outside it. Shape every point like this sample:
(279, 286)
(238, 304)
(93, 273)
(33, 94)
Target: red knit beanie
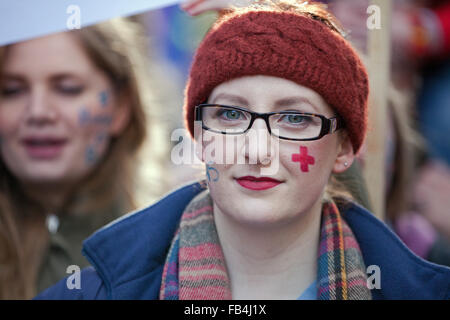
(287, 45)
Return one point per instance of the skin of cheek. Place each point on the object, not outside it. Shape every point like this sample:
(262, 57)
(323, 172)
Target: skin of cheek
(306, 179)
(11, 115)
(212, 148)
(96, 121)
(10, 119)
(104, 98)
(304, 158)
(212, 173)
(208, 156)
(310, 164)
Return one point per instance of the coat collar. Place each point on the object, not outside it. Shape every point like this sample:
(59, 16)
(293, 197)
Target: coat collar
(129, 253)
(404, 275)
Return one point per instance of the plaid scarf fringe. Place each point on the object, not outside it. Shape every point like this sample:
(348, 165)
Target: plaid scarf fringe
(341, 269)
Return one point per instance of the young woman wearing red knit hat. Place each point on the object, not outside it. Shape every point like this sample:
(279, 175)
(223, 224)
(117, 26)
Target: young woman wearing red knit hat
(284, 70)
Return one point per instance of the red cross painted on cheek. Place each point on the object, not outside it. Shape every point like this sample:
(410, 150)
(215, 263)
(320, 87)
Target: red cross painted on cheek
(304, 159)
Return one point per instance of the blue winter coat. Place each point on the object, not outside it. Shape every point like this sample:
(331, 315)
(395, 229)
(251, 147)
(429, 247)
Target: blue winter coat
(128, 256)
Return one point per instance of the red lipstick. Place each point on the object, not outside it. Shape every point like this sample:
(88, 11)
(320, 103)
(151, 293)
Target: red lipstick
(253, 183)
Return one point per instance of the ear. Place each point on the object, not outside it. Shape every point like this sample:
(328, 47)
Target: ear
(121, 115)
(345, 156)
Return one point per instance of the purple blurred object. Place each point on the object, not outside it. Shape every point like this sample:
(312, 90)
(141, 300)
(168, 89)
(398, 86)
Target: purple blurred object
(416, 232)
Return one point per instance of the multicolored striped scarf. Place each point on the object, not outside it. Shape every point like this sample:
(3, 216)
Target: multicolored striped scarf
(195, 266)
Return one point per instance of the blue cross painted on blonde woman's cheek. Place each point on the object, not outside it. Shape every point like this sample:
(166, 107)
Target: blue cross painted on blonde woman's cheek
(304, 158)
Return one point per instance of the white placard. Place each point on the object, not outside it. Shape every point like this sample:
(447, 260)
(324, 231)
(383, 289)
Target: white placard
(25, 19)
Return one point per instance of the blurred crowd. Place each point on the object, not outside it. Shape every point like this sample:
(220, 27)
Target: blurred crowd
(418, 143)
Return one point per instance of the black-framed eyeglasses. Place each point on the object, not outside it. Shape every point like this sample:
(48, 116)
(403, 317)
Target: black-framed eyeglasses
(287, 125)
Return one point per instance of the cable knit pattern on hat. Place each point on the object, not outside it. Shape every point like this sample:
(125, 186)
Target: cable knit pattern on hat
(286, 45)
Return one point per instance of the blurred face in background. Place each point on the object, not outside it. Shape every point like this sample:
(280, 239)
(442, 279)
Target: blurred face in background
(58, 111)
(353, 16)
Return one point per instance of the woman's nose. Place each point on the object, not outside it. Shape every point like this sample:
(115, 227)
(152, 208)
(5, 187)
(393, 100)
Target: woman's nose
(39, 108)
(259, 148)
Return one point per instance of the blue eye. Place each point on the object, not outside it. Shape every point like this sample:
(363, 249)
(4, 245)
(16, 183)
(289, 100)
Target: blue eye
(294, 119)
(231, 114)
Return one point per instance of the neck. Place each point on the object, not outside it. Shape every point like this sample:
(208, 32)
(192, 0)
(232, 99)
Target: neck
(277, 263)
(50, 197)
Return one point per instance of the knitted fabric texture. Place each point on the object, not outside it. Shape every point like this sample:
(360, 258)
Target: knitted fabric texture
(195, 267)
(341, 269)
(285, 45)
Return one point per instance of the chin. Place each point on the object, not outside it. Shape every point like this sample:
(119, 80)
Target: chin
(256, 212)
(44, 174)
(263, 220)
(43, 178)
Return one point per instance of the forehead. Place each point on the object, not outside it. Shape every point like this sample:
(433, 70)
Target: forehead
(266, 93)
(61, 52)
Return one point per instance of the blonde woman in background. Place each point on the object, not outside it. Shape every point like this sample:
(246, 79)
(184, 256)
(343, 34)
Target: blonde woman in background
(73, 109)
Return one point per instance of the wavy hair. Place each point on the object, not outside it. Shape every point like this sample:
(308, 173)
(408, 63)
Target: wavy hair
(118, 48)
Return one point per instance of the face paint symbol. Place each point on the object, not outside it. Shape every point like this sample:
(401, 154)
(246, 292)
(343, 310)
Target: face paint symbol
(90, 155)
(84, 117)
(101, 137)
(104, 98)
(102, 120)
(304, 159)
(208, 174)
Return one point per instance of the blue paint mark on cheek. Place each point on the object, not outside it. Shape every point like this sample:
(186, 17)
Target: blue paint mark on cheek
(102, 120)
(101, 137)
(84, 117)
(90, 155)
(212, 177)
(103, 96)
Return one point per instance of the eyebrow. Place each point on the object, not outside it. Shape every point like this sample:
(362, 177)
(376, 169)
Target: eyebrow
(12, 76)
(286, 102)
(65, 75)
(54, 77)
(282, 103)
(239, 101)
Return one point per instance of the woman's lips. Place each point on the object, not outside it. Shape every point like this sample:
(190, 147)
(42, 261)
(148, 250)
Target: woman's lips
(44, 148)
(254, 183)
